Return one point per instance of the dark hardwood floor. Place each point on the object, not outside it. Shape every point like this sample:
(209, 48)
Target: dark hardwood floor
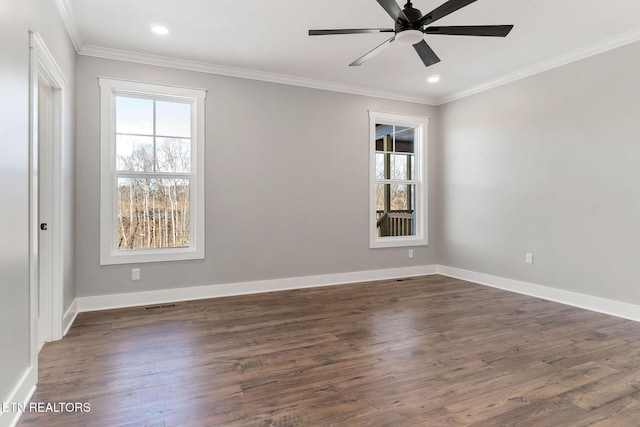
(426, 351)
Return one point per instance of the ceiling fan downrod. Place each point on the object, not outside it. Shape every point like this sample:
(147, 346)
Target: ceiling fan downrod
(413, 17)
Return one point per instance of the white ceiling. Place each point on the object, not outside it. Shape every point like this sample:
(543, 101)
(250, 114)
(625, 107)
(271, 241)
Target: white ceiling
(270, 38)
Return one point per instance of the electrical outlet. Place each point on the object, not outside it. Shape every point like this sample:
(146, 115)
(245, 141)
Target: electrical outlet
(528, 258)
(410, 253)
(135, 274)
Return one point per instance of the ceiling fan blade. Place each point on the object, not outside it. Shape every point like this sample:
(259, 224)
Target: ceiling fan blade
(427, 54)
(351, 31)
(393, 10)
(472, 30)
(444, 10)
(372, 53)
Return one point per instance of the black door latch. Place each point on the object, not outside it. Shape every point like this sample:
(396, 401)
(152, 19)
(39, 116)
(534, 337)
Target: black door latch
(43, 226)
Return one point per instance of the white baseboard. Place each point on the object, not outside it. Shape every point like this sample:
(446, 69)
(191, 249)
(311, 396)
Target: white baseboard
(589, 302)
(69, 316)
(21, 395)
(105, 302)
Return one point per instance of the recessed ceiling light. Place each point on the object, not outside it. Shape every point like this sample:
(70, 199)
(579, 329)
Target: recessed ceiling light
(433, 79)
(160, 30)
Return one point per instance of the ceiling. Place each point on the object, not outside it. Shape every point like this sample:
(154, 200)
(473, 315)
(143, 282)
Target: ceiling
(268, 40)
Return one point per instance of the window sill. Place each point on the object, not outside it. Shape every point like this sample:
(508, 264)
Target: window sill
(396, 242)
(139, 256)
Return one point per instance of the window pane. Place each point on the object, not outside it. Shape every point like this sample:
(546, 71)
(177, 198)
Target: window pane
(395, 138)
(382, 130)
(402, 166)
(400, 197)
(134, 115)
(173, 119)
(384, 137)
(173, 155)
(399, 170)
(134, 153)
(395, 197)
(153, 213)
(405, 140)
(380, 197)
(395, 210)
(380, 165)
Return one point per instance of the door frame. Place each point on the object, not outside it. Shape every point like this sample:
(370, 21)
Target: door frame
(43, 67)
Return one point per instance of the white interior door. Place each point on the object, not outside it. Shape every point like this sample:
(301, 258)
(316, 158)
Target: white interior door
(45, 210)
(46, 100)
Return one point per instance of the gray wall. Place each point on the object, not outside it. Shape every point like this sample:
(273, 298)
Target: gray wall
(548, 165)
(286, 183)
(18, 18)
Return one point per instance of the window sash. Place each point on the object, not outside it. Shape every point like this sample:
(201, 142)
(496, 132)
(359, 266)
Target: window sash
(117, 216)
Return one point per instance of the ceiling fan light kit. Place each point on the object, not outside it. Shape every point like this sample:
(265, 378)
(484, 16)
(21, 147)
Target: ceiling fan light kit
(411, 26)
(409, 37)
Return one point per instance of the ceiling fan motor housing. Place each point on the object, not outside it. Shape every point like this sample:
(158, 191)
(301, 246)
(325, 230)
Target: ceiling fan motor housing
(409, 32)
(413, 16)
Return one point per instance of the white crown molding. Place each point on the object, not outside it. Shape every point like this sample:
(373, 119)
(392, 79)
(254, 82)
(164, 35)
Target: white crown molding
(163, 61)
(567, 58)
(203, 67)
(133, 299)
(70, 23)
(574, 299)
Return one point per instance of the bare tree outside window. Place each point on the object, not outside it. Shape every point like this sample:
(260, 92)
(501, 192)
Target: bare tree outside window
(153, 166)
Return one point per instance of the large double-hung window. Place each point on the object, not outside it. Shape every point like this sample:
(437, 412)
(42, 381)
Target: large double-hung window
(152, 177)
(397, 180)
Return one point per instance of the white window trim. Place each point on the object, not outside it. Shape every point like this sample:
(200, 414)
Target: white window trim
(421, 125)
(109, 253)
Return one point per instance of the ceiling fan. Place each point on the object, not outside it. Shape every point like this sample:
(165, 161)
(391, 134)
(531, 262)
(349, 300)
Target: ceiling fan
(411, 26)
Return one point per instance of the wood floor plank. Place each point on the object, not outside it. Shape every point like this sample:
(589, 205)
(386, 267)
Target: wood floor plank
(552, 412)
(423, 351)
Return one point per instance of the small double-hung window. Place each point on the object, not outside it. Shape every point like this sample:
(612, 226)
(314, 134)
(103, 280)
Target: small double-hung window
(152, 177)
(398, 204)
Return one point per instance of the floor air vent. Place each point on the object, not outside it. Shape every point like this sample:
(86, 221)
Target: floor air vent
(158, 307)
